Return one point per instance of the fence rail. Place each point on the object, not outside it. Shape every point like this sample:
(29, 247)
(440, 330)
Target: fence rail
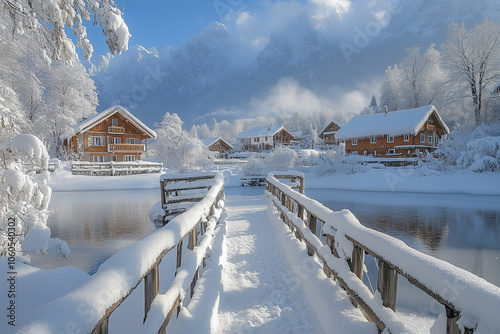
(467, 299)
(88, 308)
(114, 168)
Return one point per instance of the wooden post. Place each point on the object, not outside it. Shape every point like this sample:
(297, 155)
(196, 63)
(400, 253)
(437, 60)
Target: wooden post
(330, 241)
(451, 321)
(103, 328)
(387, 284)
(300, 212)
(151, 288)
(179, 255)
(192, 239)
(302, 186)
(193, 282)
(357, 261)
(162, 191)
(312, 227)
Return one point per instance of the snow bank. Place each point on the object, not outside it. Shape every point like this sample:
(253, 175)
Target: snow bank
(84, 307)
(477, 300)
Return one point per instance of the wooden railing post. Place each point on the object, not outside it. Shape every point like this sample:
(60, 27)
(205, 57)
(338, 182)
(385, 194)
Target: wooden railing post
(192, 239)
(179, 255)
(387, 284)
(302, 186)
(330, 241)
(103, 329)
(312, 227)
(162, 191)
(451, 321)
(151, 288)
(357, 261)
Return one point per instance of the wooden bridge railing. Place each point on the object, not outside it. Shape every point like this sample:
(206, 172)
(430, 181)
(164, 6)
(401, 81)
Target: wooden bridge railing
(464, 296)
(88, 308)
(115, 168)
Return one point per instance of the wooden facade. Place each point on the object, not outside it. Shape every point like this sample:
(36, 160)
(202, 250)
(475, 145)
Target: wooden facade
(219, 146)
(265, 138)
(113, 135)
(328, 134)
(422, 137)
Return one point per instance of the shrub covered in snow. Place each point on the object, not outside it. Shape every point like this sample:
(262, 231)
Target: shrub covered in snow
(24, 199)
(282, 158)
(477, 149)
(333, 162)
(254, 166)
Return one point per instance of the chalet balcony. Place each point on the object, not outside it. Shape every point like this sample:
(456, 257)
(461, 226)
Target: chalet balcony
(126, 148)
(116, 129)
(430, 127)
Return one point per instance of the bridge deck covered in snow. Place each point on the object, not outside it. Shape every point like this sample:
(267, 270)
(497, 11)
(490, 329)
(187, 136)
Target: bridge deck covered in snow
(270, 261)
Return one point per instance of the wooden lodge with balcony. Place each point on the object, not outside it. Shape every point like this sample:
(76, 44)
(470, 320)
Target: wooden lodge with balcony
(265, 138)
(402, 133)
(113, 135)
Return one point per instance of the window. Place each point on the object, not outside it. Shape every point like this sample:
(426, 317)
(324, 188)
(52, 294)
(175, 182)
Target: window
(97, 141)
(390, 138)
(429, 139)
(373, 139)
(97, 158)
(130, 140)
(114, 158)
(391, 151)
(116, 140)
(354, 141)
(422, 138)
(407, 138)
(435, 140)
(129, 158)
(114, 121)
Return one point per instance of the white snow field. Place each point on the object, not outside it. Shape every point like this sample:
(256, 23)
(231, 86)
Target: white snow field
(266, 281)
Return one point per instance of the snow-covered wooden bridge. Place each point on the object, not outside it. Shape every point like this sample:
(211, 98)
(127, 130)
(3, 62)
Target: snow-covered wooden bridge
(278, 262)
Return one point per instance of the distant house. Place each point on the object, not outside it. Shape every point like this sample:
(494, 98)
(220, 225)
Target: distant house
(328, 133)
(218, 145)
(404, 132)
(263, 138)
(113, 135)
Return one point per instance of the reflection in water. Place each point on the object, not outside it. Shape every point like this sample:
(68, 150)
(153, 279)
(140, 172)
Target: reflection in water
(96, 224)
(461, 229)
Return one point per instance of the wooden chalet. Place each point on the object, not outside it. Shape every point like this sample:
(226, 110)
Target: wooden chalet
(398, 133)
(328, 133)
(113, 135)
(264, 138)
(218, 145)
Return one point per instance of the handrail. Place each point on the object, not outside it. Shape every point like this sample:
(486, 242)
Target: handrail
(115, 167)
(343, 258)
(87, 309)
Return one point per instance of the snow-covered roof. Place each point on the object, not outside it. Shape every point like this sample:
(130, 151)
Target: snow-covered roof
(394, 123)
(260, 131)
(90, 122)
(212, 140)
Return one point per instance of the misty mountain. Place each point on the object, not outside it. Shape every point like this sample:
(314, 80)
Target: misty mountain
(324, 61)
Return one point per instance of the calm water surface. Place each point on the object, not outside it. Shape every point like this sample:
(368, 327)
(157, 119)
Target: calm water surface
(96, 224)
(461, 229)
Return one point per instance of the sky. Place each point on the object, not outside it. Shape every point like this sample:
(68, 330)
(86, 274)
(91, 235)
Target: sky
(155, 23)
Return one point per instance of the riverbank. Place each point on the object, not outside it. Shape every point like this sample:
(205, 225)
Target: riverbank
(416, 180)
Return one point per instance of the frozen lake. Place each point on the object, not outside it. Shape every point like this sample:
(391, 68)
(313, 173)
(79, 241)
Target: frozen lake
(461, 229)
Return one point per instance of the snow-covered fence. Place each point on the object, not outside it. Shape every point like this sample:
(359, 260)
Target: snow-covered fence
(87, 309)
(115, 168)
(179, 192)
(469, 302)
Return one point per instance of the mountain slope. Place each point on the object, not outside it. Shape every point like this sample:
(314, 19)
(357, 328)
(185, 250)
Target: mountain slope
(330, 61)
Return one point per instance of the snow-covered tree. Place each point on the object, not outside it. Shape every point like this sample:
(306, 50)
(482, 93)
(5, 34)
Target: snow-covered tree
(472, 58)
(282, 158)
(48, 20)
(417, 80)
(310, 138)
(71, 95)
(12, 119)
(176, 148)
(24, 199)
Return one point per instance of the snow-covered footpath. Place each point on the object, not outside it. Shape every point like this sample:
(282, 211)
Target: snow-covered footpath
(249, 297)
